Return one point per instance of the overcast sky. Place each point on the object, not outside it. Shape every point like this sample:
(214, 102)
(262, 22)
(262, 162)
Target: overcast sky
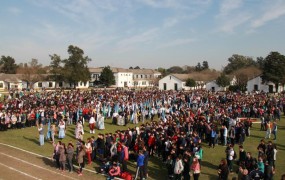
(145, 33)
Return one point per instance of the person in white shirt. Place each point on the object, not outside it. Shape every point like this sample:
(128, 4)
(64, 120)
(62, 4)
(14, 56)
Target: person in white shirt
(92, 125)
(230, 157)
(178, 168)
(225, 134)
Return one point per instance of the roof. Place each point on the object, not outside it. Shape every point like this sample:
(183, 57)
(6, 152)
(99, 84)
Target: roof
(196, 76)
(144, 71)
(119, 70)
(10, 77)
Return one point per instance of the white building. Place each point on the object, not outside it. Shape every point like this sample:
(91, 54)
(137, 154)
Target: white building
(256, 84)
(178, 82)
(145, 77)
(11, 81)
(213, 86)
(128, 77)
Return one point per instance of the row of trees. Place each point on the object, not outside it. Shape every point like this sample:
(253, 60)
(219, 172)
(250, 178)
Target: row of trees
(74, 69)
(271, 68)
(71, 70)
(204, 66)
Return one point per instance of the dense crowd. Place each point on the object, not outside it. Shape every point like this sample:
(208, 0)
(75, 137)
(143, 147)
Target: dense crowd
(175, 126)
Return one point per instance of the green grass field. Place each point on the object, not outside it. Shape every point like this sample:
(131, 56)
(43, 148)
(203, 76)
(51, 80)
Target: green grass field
(28, 139)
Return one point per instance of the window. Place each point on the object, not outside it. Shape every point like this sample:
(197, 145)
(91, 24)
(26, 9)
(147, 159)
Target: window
(85, 83)
(40, 84)
(169, 77)
(149, 76)
(143, 83)
(1, 85)
(145, 76)
(141, 76)
(137, 76)
(49, 84)
(60, 84)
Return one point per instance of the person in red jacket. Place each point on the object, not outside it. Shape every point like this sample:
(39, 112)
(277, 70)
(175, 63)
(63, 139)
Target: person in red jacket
(114, 171)
(151, 144)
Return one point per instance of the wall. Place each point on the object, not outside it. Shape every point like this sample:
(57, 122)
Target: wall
(122, 78)
(170, 81)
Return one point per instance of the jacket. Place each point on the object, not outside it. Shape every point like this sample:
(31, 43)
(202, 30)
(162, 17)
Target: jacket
(140, 160)
(80, 156)
(178, 167)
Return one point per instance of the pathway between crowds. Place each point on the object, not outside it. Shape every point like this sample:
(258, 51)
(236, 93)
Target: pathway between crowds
(15, 163)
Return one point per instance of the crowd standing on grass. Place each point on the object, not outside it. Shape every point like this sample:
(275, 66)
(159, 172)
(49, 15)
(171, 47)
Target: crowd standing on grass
(186, 120)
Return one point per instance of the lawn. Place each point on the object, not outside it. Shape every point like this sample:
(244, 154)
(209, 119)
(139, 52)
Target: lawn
(28, 139)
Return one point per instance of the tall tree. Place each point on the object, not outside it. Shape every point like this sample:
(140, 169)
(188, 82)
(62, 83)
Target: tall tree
(107, 77)
(274, 69)
(32, 72)
(8, 65)
(205, 65)
(237, 62)
(56, 70)
(223, 80)
(75, 66)
(198, 67)
(260, 62)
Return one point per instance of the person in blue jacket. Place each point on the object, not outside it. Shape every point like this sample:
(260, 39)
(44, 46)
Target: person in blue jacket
(140, 165)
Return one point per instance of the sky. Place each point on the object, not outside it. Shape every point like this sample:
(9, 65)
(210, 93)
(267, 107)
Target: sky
(144, 33)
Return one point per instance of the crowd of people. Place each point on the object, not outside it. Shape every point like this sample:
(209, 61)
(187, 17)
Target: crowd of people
(175, 127)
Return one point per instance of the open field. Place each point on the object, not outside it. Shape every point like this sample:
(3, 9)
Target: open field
(27, 139)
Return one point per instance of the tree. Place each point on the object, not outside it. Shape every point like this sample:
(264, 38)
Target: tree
(244, 74)
(260, 62)
(274, 69)
(163, 71)
(75, 66)
(237, 62)
(198, 67)
(190, 82)
(205, 65)
(107, 76)
(56, 69)
(137, 67)
(175, 69)
(131, 67)
(8, 65)
(223, 80)
(32, 72)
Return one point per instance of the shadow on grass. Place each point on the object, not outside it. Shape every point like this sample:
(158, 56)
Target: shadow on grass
(36, 141)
